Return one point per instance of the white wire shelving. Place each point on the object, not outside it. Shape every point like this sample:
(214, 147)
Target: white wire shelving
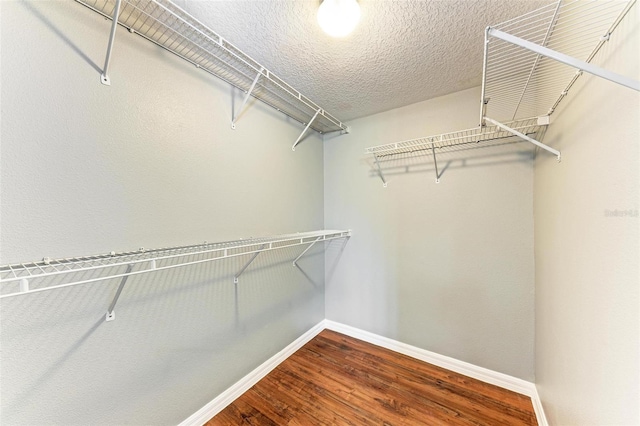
(530, 63)
(457, 141)
(171, 27)
(50, 274)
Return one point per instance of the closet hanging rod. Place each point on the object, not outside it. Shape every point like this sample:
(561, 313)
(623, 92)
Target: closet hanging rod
(22, 275)
(172, 28)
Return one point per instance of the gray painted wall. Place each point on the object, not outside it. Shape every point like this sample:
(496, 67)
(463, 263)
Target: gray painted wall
(587, 273)
(446, 267)
(149, 162)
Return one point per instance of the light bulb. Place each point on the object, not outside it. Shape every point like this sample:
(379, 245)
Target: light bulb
(338, 17)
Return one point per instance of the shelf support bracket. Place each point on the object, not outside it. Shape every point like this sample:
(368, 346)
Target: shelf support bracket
(293, 148)
(110, 314)
(236, 276)
(246, 99)
(295, 262)
(435, 163)
(483, 111)
(104, 77)
(375, 159)
(523, 136)
(566, 59)
(483, 101)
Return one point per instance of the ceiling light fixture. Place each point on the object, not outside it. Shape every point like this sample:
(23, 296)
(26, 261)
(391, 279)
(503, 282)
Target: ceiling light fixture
(338, 17)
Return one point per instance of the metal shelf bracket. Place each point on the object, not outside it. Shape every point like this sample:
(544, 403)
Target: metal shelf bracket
(237, 276)
(111, 315)
(246, 99)
(384, 182)
(293, 148)
(523, 136)
(295, 262)
(483, 100)
(435, 163)
(104, 77)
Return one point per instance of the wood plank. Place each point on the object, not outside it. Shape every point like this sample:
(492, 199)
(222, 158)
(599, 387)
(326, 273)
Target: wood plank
(464, 385)
(377, 398)
(338, 380)
(386, 391)
(308, 403)
(325, 398)
(487, 409)
(240, 412)
(471, 385)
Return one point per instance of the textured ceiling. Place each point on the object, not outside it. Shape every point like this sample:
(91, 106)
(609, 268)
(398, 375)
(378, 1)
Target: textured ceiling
(400, 53)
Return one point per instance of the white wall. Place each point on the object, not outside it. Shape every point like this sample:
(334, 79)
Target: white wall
(446, 267)
(151, 162)
(587, 273)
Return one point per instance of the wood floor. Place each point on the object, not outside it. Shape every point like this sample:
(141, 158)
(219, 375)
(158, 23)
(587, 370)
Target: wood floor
(338, 380)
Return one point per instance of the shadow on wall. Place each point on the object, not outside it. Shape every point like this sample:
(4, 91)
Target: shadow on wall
(55, 30)
(333, 253)
(189, 330)
(448, 159)
(236, 90)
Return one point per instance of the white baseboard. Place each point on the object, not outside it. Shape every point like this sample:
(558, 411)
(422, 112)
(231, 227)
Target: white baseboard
(537, 407)
(219, 403)
(480, 373)
(488, 376)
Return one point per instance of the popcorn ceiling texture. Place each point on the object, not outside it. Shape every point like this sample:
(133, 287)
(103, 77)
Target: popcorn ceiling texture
(400, 53)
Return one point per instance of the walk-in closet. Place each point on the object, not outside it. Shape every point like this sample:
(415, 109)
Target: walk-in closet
(319, 212)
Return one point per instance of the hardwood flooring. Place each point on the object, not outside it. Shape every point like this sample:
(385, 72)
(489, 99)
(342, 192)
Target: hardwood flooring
(338, 380)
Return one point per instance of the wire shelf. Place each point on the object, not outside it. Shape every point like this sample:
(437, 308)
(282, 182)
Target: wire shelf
(521, 83)
(172, 28)
(25, 278)
(530, 63)
(460, 140)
